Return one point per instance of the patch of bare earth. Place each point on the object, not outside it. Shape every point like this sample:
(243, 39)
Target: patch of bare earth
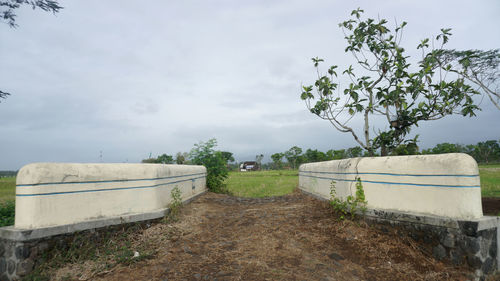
(491, 205)
(293, 237)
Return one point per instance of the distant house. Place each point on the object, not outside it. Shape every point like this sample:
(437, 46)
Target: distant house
(249, 166)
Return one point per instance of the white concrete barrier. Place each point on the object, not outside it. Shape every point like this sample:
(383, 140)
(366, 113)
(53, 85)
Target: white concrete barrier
(443, 185)
(52, 194)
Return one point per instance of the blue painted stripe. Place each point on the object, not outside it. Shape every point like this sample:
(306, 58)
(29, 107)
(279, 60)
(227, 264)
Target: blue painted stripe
(107, 189)
(107, 181)
(398, 183)
(390, 174)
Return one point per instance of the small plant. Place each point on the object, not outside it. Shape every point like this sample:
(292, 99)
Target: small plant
(7, 213)
(174, 206)
(352, 204)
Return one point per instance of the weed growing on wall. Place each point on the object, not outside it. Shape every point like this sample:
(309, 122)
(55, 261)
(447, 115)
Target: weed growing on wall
(7, 213)
(352, 204)
(174, 206)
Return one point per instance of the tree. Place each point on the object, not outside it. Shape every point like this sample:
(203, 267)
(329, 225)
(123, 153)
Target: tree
(161, 159)
(228, 156)
(444, 148)
(8, 7)
(205, 154)
(277, 163)
(488, 150)
(314, 156)
(354, 152)
(404, 98)
(410, 147)
(7, 14)
(479, 67)
(258, 159)
(336, 154)
(292, 155)
(165, 159)
(3, 95)
(181, 158)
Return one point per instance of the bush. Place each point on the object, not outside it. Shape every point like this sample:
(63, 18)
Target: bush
(7, 213)
(217, 171)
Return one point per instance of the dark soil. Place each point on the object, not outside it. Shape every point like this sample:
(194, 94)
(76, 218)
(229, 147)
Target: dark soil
(293, 237)
(491, 206)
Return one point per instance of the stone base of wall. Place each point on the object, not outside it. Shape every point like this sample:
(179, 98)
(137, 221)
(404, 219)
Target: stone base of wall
(474, 243)
(20, 248)
(19, 258)
(471, 243)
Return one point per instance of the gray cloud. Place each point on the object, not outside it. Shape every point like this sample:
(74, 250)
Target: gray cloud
(130, 79)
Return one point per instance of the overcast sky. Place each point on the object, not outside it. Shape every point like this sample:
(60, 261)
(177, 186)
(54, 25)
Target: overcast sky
(130, 78)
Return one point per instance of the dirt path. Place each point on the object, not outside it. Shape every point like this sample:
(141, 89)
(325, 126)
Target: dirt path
(294, 237)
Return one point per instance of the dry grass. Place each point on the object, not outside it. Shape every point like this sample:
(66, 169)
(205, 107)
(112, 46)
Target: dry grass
(280, 238)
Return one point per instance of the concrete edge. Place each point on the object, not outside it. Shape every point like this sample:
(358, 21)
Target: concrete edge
(21, 235)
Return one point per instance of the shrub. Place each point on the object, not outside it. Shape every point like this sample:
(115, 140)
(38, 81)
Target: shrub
(7, 213)
(217, 171)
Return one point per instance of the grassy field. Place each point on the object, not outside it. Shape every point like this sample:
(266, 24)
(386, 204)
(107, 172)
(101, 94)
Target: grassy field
(7, 189)
(490, 180)
(262, 183)
(7, 203)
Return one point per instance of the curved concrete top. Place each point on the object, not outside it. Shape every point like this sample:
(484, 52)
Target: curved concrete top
(49, 194)
(444, 184)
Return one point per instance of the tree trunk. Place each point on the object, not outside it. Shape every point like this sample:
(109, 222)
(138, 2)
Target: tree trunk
(383, 150)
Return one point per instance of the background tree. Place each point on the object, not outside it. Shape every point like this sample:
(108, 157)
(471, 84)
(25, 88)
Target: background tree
(444, 148)
(258, 159)
(354, 152)
(181, 158)
(161, 159)
(165, 159)
(277, 163)
(292, 155)
(402, 97)
(488, 150)
(204, 154)
(228, 156)
(483, 152)
(314, 156)
(336, 154)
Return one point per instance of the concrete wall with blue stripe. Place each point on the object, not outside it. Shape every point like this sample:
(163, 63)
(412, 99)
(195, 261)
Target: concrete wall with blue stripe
(442, 185)
(52, 194)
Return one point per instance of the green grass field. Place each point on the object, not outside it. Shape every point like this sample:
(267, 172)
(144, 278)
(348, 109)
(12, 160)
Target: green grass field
(7, 203)
(490, 180)
(262, 183)
(7, 189)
